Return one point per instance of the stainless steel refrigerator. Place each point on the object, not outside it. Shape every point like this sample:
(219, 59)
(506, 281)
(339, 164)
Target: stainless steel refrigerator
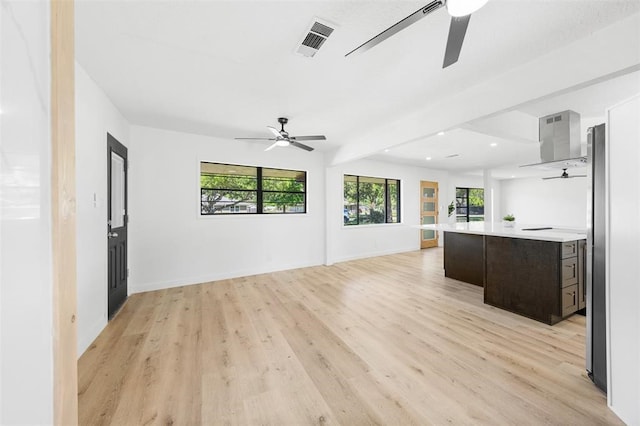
(596, 341)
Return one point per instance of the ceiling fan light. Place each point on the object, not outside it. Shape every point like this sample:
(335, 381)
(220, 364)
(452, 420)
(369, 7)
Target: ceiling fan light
(459, 8)
(282, 142)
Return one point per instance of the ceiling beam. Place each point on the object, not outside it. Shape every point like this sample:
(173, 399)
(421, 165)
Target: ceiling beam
(584, 62)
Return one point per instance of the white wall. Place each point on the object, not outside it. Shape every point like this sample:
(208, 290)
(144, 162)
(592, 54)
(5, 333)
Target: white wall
(623, 255)
(171, 245)
(95, 117)
(533, 201)
(352, 242)
(26, 283)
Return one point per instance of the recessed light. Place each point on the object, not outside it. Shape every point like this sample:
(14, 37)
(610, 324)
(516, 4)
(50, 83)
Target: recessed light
(440, 133)
(493, 144)
(428, 158)
(513, 176)
(386, 150)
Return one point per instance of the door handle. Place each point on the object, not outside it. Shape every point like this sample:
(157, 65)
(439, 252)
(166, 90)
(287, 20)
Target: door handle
(112, 234)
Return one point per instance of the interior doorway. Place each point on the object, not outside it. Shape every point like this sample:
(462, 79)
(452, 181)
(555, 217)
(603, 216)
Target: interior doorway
(428, 213)
(117, 224)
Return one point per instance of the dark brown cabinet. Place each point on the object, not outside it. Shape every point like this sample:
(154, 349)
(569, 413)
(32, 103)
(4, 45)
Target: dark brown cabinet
(543, 280)
(569, 249)
(569, 300)
(569, 271)
(464, 257)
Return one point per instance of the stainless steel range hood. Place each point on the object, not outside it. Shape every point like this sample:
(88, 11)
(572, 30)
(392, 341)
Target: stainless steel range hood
(560, 141)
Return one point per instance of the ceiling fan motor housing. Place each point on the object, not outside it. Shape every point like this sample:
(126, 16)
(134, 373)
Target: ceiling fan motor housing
(283, 121)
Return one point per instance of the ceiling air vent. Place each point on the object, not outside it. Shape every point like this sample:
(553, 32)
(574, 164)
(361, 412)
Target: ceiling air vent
(432, 6)
(314, 39)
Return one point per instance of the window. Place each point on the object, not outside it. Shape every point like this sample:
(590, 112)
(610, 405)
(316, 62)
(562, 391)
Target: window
(371, 200)
(234, 189)
(469, 204)
(283, 191)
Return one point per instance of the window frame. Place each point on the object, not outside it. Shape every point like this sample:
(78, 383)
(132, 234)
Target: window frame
(387, 201)
(259, 191)
(467, 206)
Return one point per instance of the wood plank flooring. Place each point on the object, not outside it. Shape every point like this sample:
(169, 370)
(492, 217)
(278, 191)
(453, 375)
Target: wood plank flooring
(386, 340)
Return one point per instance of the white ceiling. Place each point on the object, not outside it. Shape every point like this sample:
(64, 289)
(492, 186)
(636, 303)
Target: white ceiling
(228, 68)
(504, 152)
(472, 151)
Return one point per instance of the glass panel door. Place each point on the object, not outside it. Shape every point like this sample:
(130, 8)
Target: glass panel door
(117, 191)
(428, 213)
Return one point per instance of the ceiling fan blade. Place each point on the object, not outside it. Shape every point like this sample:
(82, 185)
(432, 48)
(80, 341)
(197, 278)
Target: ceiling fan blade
(308, 138)
(275, 131)
(553, 177)
(398, 26)
(254, 139)
(572, 176)
(270, 147)
(300, 145)
(457, 30)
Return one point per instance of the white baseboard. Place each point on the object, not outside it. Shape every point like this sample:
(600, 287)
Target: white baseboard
(161, 285)
(373, 254)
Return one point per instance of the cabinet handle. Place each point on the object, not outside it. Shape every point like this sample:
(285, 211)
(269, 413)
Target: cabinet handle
(574, 297)
(573, 267)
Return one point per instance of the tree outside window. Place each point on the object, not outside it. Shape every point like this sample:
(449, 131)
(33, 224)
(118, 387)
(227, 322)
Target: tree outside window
(469, 204)
(370, 200)
(236, 189)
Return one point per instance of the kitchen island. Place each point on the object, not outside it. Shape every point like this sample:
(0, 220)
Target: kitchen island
(535, 271)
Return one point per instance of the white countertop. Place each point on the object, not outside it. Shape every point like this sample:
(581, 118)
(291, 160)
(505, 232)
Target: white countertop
(497, 229)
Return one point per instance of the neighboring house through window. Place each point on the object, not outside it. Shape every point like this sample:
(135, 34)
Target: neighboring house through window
(236, 189)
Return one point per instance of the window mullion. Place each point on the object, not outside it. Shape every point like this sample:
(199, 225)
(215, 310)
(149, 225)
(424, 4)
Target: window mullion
(398, 201)
(386, 200)
(259, 198)
(357, 200)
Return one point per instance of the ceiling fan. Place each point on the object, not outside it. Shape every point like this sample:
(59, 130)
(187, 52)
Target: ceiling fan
(460, 11)
(282, 137)
(564, 175)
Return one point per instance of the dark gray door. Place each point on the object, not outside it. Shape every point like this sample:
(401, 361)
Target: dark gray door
(117, 223)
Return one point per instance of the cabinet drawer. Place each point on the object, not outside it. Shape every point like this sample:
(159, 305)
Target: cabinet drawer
(569, 272)
(569, 300)
(569, 249)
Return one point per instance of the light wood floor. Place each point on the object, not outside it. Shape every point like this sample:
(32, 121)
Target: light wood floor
(385, 340)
